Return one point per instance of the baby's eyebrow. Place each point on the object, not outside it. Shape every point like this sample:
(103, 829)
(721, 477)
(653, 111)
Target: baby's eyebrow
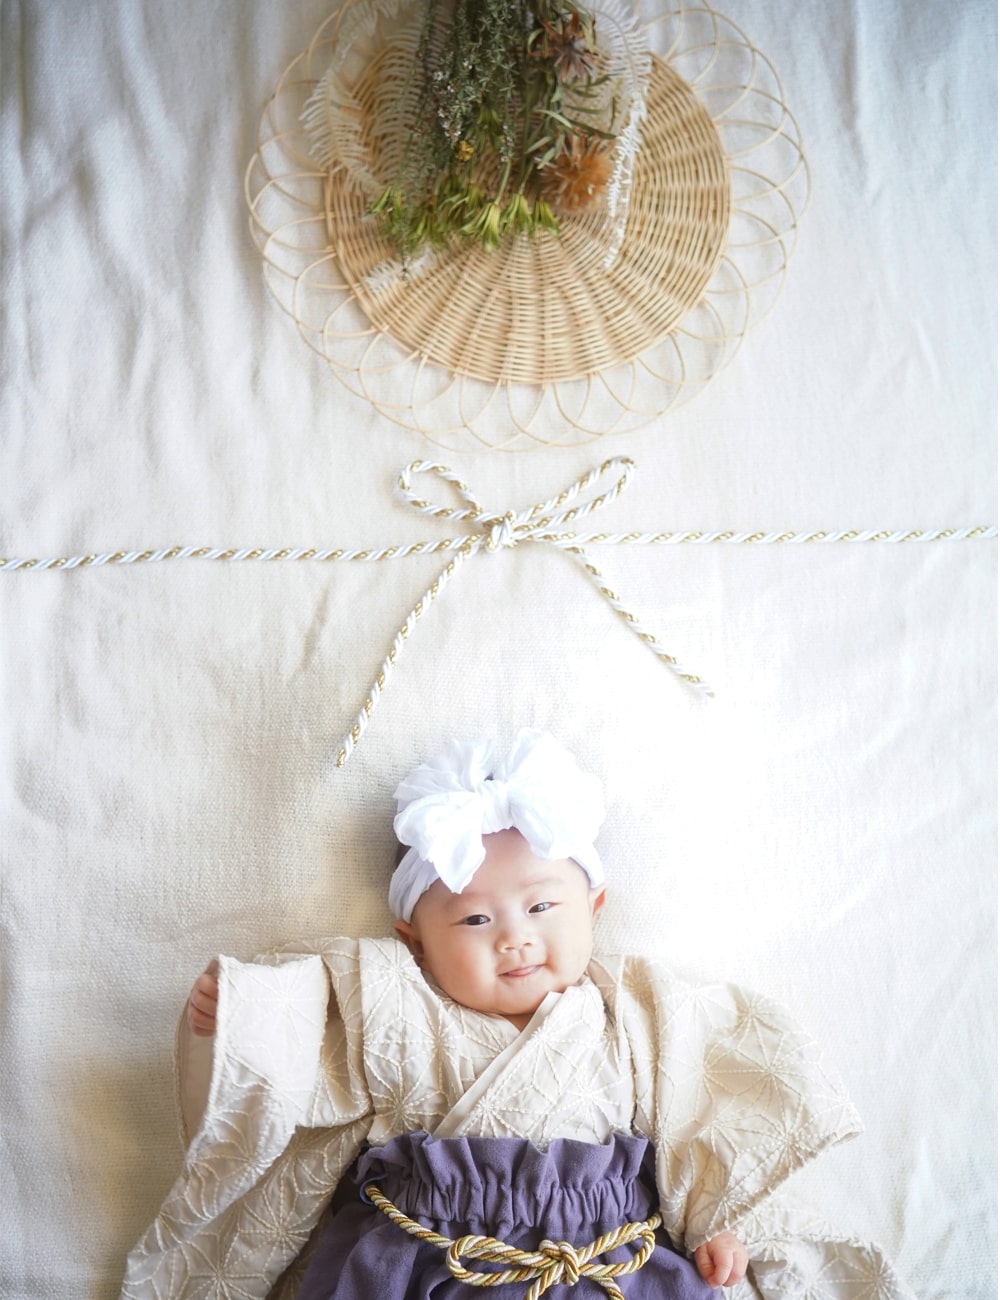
(468, 897)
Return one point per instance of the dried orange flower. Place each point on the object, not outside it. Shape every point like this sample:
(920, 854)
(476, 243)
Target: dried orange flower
(575, 179)
(571, 49)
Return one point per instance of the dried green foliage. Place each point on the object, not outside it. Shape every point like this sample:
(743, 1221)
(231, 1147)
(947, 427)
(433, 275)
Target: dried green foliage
(506, 91)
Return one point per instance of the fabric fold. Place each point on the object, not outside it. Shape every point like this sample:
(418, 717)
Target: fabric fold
(317, 1055)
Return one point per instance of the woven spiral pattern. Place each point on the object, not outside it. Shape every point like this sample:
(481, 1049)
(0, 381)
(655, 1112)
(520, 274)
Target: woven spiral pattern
(539, 344)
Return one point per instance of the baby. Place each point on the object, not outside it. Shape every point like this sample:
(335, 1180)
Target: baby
(498, 919)
(585, 1120)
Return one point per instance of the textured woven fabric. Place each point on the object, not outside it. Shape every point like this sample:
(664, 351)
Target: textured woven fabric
(824, 830)
(730, 1092)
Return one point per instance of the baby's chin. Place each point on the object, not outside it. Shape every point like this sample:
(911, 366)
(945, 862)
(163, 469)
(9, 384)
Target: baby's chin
(525, 988)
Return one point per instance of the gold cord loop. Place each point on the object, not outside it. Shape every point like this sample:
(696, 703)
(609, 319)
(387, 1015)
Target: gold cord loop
(545, 523)
(554, 1263)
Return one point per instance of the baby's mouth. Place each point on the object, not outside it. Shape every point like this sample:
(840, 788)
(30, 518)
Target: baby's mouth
(519, 973)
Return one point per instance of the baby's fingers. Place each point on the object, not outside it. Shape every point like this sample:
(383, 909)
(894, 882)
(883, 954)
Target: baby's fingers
(722, 1261)
(203, 1002)
(201, 1023)
(739, 1267)
(714, 1262)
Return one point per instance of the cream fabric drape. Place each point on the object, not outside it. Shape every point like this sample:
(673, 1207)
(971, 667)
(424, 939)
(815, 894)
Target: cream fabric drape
(823, 830)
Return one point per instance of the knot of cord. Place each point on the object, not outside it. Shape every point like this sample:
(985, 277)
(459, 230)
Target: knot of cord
(547, 522)
(566, 1263)
(554, 1263)
(575, 501)
(501, 533)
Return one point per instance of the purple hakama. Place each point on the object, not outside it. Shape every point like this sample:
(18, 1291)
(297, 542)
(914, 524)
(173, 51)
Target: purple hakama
(498, 1187)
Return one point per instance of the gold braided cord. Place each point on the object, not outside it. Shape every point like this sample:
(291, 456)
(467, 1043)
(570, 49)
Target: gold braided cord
(13, 564)
(389, 662)
(554, 1263)
(491, 530)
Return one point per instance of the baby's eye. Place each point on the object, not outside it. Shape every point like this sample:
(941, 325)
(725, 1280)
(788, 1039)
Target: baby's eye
(478, 919)
(540, 907)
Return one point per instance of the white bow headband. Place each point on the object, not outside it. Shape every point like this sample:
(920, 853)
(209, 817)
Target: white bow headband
(447, 805)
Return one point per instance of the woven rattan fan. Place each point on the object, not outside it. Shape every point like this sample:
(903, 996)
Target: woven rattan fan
(548, 341)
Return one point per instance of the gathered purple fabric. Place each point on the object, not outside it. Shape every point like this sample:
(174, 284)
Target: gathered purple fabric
(498, 1187)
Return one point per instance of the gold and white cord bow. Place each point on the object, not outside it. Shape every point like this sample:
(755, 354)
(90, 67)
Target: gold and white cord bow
(544, 522)
(554, 1263)
(491, 531)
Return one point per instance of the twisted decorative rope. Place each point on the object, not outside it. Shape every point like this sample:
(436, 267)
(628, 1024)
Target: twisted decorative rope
(554, 1263)
(544, 522)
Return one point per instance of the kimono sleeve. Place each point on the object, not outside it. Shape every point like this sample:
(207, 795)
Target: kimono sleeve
(287, 1110)
(795, 1254)
(731, 1091)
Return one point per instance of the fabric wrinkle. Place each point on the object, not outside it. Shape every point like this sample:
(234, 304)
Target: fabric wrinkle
(504, 1188)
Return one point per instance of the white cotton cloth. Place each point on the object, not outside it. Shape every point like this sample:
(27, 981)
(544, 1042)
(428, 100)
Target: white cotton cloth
(447, 805)
(824, 829)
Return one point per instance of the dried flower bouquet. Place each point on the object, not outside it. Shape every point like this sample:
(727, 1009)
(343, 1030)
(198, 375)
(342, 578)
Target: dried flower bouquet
(505, 117)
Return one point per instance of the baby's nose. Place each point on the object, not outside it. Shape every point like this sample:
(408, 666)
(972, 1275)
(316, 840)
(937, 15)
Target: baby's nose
(513, 935)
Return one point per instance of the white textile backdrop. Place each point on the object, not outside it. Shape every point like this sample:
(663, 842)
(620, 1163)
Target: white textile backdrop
(823, 830)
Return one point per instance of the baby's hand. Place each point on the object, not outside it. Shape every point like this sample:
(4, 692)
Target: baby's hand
(203, 1002)
(722, 1261)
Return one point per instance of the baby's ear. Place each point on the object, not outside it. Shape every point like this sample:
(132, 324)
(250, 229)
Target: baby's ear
(410, 937)
(597, 897)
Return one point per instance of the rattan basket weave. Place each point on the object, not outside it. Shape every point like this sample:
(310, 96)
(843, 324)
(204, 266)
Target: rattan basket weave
(544, 309)
(545, 342)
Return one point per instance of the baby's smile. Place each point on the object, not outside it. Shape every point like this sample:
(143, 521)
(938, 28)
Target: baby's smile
(521, 929)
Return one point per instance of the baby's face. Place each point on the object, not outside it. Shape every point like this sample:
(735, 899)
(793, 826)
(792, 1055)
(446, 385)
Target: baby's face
(521, 928)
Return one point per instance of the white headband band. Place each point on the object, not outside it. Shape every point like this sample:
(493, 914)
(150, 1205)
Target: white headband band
(447, 805)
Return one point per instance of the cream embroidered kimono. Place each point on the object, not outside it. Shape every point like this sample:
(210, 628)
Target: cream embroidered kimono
(316, 1055)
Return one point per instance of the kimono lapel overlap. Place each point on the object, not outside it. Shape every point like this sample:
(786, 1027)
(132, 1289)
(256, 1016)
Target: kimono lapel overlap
(558, 1077)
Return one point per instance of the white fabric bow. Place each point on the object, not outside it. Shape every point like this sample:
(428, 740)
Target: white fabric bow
(447, 805)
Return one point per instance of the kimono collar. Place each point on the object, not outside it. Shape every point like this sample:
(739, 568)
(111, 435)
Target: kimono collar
(447, 805)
